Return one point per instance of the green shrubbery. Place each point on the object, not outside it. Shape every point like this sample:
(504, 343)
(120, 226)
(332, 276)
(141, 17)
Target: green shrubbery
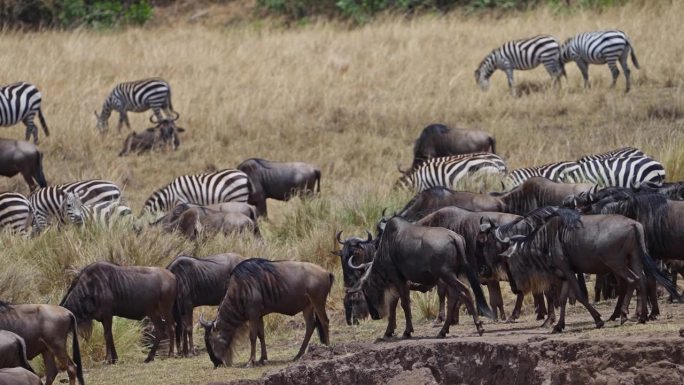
(74, 13)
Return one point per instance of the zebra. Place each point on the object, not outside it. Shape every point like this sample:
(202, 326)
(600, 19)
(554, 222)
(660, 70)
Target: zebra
(600, 47)
(616, 172)
(48, 202)
(201, 189)
(15, 212)
(524, 54)
(448, 170)
(103, 214)
(20, 102)
(550, 171)
(137, 96)
(624, 152)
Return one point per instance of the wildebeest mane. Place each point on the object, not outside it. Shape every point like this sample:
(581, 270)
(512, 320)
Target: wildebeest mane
(5, 306)
(432, 129)
(516, 201)
(261, 162)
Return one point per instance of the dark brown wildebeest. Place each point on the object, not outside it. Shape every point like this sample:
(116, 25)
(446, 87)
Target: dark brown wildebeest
(191, 221)
(539, 192)
(362, 251)
(279, 180)
(258, 287)
(13, 351)
(676, 268)
(200, 282)
(17, 157)
(18, 376)
(45, 329)
(103, 290)
(562, 243)
(422, 255)
(435, 198)
(163, 135)
(438, 140)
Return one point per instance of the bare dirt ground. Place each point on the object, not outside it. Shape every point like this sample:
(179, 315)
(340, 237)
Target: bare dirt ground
(517, 353)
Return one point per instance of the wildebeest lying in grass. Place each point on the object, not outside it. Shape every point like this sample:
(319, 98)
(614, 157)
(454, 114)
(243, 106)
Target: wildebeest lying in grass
(200, 282)
(424, 256)
(45, 329)
(103, 290)
(17, 157)
(18, 376)
(13, 351)
(434, 198)
(258, 287)
(191, 221)
(163, 135)
(438, 140)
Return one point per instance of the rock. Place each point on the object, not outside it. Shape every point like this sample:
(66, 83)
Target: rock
(422, 376)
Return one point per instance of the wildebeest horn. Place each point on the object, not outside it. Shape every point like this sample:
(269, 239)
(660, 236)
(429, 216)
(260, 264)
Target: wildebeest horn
(204, 322)
(484, 226)
(362, 266)
(337, 236)
(176, 117)
(383, 212)
(152, 120)
(370, 236)
(497, 234)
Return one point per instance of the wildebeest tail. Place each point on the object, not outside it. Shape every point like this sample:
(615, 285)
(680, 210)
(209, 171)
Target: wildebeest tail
(76, 351)
(583, 286)
(40, 176)
(651, 269)
(47, 132)
(492, 143)
(481, 302)
(21, 346)
(318, 181)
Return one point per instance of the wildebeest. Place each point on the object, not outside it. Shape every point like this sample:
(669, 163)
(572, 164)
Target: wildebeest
(191, 221)
(200, 282)
(258, 287)
(562, 244)
(539, 192)
(362, 251)
(438, 140)
(434, 198)
(18, 376)
(45, 329)
(673, 190)
(18, 157)
(13, 351)
(103, 290)
(235, 207)
(163, 135)
(422, 255)
(279, 180)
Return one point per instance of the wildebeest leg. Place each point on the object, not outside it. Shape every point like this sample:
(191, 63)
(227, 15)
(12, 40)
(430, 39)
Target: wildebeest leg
(323, 323)
(392, 317)
(517, 308)
(620, 307)
(50, 367)
(452, 307)
(539, 306)
(186, 334)
(598, 285)
(464, 294)
(28, 177)
(563, 301)
(262, 339)
(652, 293)
(111, 356)
(61, 358)
(170, 329)
(441, 294)
(571, 280)
(158, 330)
(253, 332)
(404, 297)
(550, 295)
(310, 325)
(495, 298)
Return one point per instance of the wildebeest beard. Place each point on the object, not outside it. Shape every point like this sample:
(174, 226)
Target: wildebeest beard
(256, 277)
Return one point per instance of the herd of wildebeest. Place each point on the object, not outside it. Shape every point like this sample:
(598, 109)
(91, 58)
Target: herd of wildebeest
(544, 234)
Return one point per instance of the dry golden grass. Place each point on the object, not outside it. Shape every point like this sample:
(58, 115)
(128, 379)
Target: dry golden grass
(349, 101)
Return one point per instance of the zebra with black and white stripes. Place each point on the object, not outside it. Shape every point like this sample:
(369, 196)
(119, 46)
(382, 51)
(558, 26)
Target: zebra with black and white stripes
(616, 172)
(600, 47)
(447, 171)
(550, 171)
(137, 96)
(624, 152)
(48, 203)
(202, 189)
(20, 102)
(104, 214)
(524, 54)
(15, 212)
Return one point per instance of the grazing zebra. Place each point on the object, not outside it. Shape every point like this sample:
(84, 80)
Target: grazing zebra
(524, 54)
(137, 96)
(15, 212)
(448, 170)
(202, 189)
(20, 102)
(616, 172)
(601, 47)
(103, 214)
(550, 171)
(48, 202)
(624, 152)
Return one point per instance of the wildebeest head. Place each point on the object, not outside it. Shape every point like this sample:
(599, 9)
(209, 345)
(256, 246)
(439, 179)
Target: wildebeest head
(490, 244)
(218, 345)
(354, 251)
(373, 290)
(83, 300)
(168, 132)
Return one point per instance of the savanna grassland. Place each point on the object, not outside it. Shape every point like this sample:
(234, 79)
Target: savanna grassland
(350, 100)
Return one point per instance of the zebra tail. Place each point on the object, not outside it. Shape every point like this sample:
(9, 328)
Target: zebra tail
(492, 143)
(40, 176)
(171, 107)
(633, 55)
(45, 127)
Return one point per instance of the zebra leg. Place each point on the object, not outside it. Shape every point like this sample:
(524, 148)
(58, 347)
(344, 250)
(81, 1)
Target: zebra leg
(122, 118)
(625, 69)
(509, 77)
(584, 69)
(31, 129)
(614, 71)
(125, 117)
